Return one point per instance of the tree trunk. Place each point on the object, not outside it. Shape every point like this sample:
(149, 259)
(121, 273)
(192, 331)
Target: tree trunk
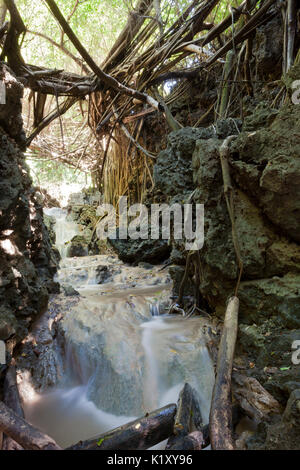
(221, 408)
(23, 433)
(137, 435)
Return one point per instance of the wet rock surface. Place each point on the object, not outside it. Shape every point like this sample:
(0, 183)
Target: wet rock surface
(40, 363)
(136, 251)
(78, 246)
(96, 339)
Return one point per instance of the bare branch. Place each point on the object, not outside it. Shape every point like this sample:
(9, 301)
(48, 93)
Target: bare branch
(62, 48)
(59, 111)
(158, 16)
(105, 78)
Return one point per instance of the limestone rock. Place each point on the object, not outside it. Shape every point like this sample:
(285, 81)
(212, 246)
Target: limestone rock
(135, 251)
(26, 258)
(77, 247)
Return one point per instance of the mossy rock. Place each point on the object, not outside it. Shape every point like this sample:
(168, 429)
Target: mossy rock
(78, 247)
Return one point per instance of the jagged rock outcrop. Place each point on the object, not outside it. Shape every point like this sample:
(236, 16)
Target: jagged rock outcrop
(26, 260)
(173, 180)
(265, 168)
(82, 209)
(268, 46)
(79, 246)
(265, 172)
(11, 112)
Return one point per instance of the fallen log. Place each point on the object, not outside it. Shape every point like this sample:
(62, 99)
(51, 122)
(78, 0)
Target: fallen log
(254, 400)
(221, 408)
(12, 400)
(23, 433)
(237, 415)
(188, 417)
(137, 435)
(182, 424)
(193, 441)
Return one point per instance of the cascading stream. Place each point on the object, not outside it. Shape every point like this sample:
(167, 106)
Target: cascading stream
(65, 229)
(119, 361)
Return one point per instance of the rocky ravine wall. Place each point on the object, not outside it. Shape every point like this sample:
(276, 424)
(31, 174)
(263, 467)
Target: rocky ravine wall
(265, 171)
(265, 168)
(26, 264)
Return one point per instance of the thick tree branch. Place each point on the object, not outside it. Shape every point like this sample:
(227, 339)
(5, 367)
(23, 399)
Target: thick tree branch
(135, 21)
(158, 16)
(11, 48)
(102, 76)
(16, 18)
(3, 10)
(291, 32)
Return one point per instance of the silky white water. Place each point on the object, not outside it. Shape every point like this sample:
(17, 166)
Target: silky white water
(120, 361)
(65, 229)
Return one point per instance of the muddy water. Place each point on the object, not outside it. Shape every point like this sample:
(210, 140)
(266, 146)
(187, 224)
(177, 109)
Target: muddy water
(123, 355)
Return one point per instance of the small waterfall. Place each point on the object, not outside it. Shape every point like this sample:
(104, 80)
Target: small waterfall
(65, 229)
(123, 356)
(175, 353)
(151, 380)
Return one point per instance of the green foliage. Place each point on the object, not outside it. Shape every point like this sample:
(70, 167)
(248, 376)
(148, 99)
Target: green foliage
(222, 10)
(49, 171)
(100, 442)
(97, 23)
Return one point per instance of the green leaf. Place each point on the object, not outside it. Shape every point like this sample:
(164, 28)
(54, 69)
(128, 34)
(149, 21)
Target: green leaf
(285, 368)
(100, 442)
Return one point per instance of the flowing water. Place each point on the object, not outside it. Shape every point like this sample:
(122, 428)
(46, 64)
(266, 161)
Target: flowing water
(65, 229)
(122, 354)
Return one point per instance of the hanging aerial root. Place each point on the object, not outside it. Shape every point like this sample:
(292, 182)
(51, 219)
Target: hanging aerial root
(185, 276)
(228, 191)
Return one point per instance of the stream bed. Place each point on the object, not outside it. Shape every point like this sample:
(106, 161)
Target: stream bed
(108, 352)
